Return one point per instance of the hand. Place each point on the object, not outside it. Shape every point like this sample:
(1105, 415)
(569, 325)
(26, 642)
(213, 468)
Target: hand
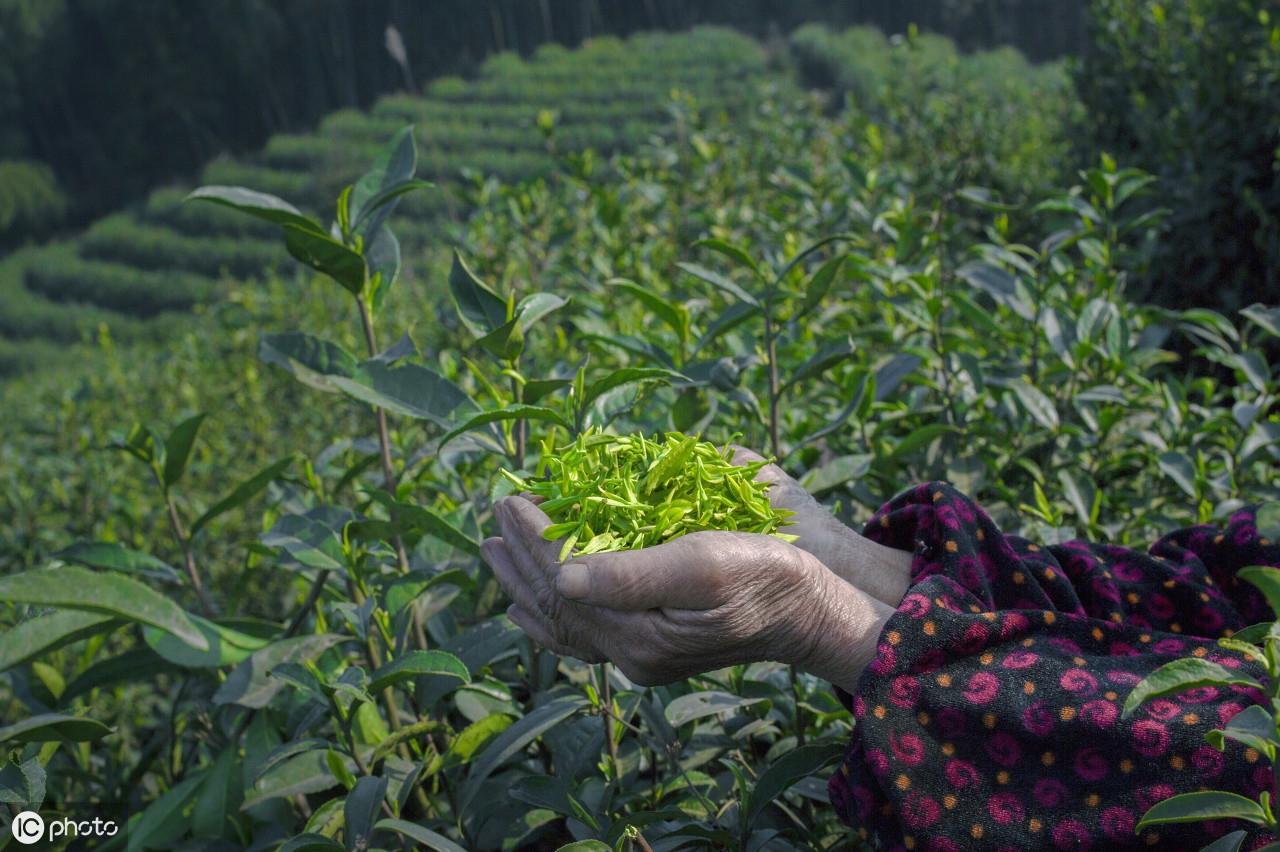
(882, 572)
(698, 603)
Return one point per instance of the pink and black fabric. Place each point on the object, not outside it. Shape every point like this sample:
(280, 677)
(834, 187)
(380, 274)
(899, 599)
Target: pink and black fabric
(990, 717)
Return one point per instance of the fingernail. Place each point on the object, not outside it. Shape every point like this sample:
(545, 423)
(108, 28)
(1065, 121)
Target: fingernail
(573, 581)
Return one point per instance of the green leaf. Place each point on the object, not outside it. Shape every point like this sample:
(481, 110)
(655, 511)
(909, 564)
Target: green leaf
(511, 412)
(415, 664)
(308, 541)
(227, 646)
(425, 836)
(1002, 287)
(23, 783)
(44, 633)
(360, 810)
(698, 705)
(136, 665)
(626, 376)
(1212, 320)
(1197, 807)
(115, 595)
(1264, 317)
(1253, 726)
(796, 764)
(244, 492)
(734, 253)
(374, 192)
(472, 739)
(1267, 520)
(1267, 580)
(983, 198)
(1080, 492)
(809, 250)
(304, 773)
(411, 390)
(674, 314)
(1037, 404)
(820, 284)
(505, 342)
(512, 741)
(721, 283)
(310, 841)
(1254, 634)
(588, 845)
(326, 255)
(1181, 470)
(535, 306)
(53, 727)
(383, 258)
(481, 309)
(374, 212)
(1228, 842)
(429, 522)
(167, 818)
(142, 443)
(178, 448)
(920, 437)
(835, 473)
(259, 204)
(726, 321)
(1181, 675)
(536, 389)
(250, 683)
(219, 795)
(112, 556)
(821, 361)
(309, 359)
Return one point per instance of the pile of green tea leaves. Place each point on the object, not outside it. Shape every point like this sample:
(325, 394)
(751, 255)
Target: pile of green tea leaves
(624, 492)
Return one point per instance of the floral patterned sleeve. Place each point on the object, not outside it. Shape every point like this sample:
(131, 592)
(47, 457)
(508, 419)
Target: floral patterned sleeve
(990, 717)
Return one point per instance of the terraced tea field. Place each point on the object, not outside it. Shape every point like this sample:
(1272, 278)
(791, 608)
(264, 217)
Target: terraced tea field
(138, 272)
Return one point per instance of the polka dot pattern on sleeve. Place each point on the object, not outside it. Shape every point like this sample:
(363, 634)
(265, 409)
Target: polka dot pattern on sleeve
(990, 716)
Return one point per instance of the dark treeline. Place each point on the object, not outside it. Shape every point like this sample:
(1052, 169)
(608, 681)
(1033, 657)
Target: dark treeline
(118, 95)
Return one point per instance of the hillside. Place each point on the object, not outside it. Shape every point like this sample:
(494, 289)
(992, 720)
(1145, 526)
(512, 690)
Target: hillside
(138, 271)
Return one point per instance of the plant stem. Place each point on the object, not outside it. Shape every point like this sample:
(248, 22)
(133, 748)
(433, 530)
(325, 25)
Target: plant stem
(520, 429)
(188, 558)
(771, 347)
(375, 662)
(384, 435)
(606, 698)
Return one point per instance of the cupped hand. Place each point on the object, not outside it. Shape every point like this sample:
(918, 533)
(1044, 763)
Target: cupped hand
(882, 572)
(698, 603)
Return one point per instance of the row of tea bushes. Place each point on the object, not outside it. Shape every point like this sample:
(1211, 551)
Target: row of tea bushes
(607, 95)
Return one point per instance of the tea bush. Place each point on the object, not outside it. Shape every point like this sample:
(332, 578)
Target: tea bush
(988, 118)
(1187, 91)
(500, 129)
(124, 240)
(116, 286)
(781, 275)
(31, 201)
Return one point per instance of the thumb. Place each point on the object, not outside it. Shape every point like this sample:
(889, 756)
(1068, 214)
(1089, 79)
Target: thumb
(681, 574)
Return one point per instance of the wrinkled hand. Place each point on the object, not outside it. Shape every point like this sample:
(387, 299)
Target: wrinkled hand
(698, 603)
(882, 572)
